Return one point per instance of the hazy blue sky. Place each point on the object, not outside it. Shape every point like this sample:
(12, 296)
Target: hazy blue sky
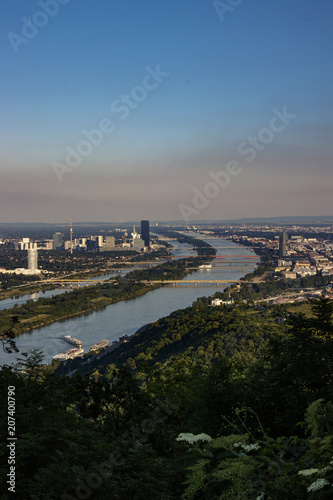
(180, 90)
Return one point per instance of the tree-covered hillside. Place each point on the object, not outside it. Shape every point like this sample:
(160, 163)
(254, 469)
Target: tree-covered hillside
(198, 334)
(222, 404)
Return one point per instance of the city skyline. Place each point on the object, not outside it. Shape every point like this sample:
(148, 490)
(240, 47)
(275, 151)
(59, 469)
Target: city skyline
(171, 111)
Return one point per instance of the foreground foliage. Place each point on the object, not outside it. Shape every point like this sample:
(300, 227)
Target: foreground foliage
(250, 421)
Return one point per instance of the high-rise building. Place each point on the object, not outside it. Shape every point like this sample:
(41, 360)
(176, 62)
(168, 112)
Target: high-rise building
(109, 243)
(32, 257)
(283, 244)
(145, 232)
(70, 236)
(58, 241)
(92, 244)
(99, 241)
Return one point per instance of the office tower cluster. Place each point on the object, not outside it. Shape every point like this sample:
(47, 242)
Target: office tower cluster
(101, 243)
(97, 243)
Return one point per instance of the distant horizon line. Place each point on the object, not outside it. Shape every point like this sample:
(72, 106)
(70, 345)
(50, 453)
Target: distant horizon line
(318, 218)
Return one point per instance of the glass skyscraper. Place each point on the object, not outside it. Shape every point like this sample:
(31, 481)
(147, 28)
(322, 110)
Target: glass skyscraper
(145, 232)
(58, 241)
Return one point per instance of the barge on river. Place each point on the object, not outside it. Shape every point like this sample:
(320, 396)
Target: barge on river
(71, 354)
(73, 341)
(100, 345)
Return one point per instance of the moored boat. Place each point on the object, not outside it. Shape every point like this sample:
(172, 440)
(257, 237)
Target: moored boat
(72, 340)
(100, 345)
(71, 354)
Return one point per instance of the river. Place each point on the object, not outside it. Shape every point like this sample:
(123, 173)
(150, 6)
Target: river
(127, 316)
(22, 299)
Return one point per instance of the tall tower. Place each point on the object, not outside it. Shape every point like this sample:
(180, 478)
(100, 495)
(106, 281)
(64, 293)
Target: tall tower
(71, 235)
(283, 244)
(32, 257)
(145, 232)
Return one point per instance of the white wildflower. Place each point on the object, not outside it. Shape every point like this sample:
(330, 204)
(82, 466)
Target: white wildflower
(307, 472)
(325, 469)
(236, 445)
(191, 438)
(317, 485)
(248, 447)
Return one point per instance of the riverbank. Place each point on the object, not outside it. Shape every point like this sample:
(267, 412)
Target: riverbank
(28, 289)
(46, 311)
(96, 303)
(127, 316)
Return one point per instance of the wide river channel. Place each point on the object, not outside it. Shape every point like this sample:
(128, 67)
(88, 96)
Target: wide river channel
(127, 316)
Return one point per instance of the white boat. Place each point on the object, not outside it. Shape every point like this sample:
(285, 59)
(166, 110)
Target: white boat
(100, 345)
(73, 341)
(71, 354)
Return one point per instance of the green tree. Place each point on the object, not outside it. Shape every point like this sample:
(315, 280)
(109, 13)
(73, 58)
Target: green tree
(296, 370)
(7, 336)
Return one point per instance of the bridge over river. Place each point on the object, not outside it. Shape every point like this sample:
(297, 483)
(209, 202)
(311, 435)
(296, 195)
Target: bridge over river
(236, 256)
(192, 282)
(197, 282)
(127, 316)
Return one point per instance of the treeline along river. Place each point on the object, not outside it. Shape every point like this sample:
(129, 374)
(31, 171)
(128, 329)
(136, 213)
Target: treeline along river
(22, 299)
(127, 316)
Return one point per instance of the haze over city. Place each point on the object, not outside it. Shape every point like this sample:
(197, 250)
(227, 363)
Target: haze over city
(165, 110)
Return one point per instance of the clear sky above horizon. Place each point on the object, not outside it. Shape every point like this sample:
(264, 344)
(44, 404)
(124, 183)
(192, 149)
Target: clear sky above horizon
(147, 109)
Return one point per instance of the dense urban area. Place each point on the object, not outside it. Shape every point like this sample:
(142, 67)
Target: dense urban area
(294, 252)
